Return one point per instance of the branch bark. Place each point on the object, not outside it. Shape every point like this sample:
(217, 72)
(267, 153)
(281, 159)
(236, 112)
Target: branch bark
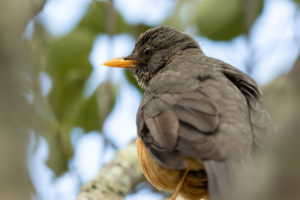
(16, 14)
(116, 179)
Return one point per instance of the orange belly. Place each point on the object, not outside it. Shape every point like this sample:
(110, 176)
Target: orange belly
(162, 178)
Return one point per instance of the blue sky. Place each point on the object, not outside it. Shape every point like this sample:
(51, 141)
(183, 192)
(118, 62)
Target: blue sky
(273, 32)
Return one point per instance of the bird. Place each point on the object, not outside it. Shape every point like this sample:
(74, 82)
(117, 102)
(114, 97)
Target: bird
(199, 121)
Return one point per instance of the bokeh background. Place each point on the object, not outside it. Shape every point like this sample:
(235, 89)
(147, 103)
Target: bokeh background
(77, 112)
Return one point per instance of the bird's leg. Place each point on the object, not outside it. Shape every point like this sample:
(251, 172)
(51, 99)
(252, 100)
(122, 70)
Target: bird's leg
(179, 185)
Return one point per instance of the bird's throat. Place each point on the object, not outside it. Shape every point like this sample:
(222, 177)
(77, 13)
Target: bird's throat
(144, 76)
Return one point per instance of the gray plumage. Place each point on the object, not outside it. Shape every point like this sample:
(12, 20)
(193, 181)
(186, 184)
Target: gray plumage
(198, 107)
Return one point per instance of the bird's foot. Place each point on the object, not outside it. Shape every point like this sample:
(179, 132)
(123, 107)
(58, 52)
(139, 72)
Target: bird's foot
(179, 185)
(174, 196)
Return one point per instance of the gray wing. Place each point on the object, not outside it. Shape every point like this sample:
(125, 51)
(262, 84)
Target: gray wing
(259, 116)
(176, 125)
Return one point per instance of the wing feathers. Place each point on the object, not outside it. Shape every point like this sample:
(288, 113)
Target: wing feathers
(204, 148)
(202, 105)
(183, 122)
(201, 121)
(164, 128)
(260, 120)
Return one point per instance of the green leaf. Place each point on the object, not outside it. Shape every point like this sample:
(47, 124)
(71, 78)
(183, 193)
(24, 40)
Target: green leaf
(298, 2)
(219, 19)
(58, 138)
(60, 150)
(69, 68)
(90, 113)
(67, 63)
(94, 19)
(83, 113)
(70, 52)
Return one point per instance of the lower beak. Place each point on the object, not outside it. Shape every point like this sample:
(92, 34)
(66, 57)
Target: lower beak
(120, 62)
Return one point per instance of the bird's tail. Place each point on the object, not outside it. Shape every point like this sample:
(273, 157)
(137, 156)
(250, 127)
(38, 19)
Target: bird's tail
(227, 179)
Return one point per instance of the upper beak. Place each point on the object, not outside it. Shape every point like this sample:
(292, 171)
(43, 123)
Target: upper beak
(120, 62)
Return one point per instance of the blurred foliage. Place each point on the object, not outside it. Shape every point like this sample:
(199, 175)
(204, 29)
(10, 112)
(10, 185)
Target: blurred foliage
(69, 68)
(66, 60)
(217, 19)
(95, 20)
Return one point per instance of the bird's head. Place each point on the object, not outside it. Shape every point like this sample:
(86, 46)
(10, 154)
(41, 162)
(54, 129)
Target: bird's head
(153, 50)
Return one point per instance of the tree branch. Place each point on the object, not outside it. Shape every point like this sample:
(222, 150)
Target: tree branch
(116, 179)
(16, 113)
(16, 14)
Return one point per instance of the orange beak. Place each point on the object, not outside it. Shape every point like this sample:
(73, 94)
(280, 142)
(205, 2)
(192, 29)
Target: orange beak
(120, 62)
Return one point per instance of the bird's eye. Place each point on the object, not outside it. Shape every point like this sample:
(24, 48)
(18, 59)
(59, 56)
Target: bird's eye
(146, 51)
